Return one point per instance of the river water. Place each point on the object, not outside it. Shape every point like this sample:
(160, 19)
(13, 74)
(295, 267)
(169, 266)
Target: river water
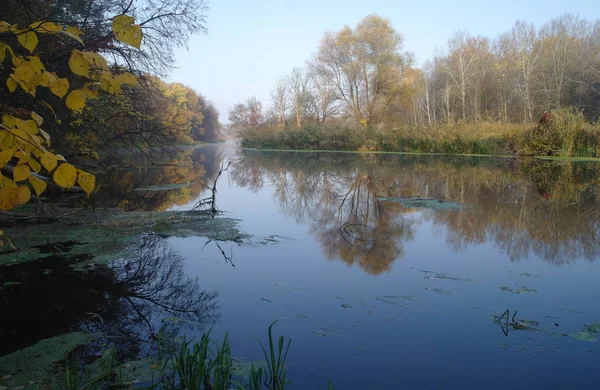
(401, 271)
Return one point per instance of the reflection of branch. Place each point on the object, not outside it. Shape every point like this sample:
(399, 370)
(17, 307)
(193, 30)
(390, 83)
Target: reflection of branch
(228, 259)
(143, 317)
(212, 200)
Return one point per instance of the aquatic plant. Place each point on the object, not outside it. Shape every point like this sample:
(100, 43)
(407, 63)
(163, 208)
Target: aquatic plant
(276, 376)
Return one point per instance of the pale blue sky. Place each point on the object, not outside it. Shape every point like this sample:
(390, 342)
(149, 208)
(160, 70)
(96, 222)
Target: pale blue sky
(251, 43)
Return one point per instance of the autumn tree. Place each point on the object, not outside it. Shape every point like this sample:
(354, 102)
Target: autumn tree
(246, 115)
(365, 64)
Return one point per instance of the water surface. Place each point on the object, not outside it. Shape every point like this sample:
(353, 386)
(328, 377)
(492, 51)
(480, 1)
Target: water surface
(374, 292)
(411, 302)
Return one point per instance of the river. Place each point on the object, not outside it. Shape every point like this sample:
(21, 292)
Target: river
(385, 271)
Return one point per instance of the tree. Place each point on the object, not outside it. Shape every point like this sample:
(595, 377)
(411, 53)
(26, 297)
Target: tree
(247, 115)
(521, 53)
(24, 145)
(279, 97)
(165, 25)
(365, 64)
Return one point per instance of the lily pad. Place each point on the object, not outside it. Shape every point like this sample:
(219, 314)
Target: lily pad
(425, 203)
(520, 290)
(593, 327)
(584, 336)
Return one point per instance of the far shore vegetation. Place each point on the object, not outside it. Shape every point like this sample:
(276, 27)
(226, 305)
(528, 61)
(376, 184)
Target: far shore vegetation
(529, 91)
(565, 134)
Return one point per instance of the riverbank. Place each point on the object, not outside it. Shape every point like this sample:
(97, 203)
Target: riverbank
(564, 134)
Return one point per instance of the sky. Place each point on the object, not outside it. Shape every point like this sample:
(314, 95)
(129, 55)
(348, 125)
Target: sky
(250, 44)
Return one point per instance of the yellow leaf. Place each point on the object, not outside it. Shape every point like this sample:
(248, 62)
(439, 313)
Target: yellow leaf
(90, 93)
(78, 64)
(11, 84)
(76, 100)
(29, 126)
(37, 118)
(21, 172)
(10, 121)
(65, 175)
(86, 181)
(4, 27)
(2, 52)
(51, 77)
(23, 195)
(46, 136)
(8, 198)
(5, 182)
(60, 157)
(38, 185)
(127, 78)
(34, 165)
(46, 27)
(74, 33)
(60, 87)
(23, 156)
(49, 161)
(28, 40)
(36, 64)
(5, 156)
(95, 59)
(126, 31)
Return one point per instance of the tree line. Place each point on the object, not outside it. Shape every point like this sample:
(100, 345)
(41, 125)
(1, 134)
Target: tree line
(363, 75)
(83, 77)
(142, 114)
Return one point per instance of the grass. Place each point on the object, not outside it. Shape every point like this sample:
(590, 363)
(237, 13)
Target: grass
(566, 134)
(185, 364)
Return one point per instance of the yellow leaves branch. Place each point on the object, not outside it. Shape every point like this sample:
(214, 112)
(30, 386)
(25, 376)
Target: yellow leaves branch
(24, 141)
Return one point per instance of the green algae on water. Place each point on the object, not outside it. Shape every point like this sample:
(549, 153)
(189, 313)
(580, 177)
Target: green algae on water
(38, 363)
(425, 203)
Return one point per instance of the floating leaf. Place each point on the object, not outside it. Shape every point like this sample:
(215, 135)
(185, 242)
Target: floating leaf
(65, 175)
(86, 181)
(21, 172)
(584, 336)
(38, 185)
(79, 64)
(28, 40)
(76, 100)
(49, 161)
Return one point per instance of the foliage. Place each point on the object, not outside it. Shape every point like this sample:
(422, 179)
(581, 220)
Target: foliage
(566, 134)
(24, 145)
(276, 374)
(185, 364)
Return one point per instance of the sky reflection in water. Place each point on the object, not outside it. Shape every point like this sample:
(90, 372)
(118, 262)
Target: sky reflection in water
(412, 308)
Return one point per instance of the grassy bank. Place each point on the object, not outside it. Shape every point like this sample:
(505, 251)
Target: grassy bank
(566, 134)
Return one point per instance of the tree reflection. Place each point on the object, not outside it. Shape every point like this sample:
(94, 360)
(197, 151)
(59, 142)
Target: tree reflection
(192, 168)
(129, 300)
(543, 208)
